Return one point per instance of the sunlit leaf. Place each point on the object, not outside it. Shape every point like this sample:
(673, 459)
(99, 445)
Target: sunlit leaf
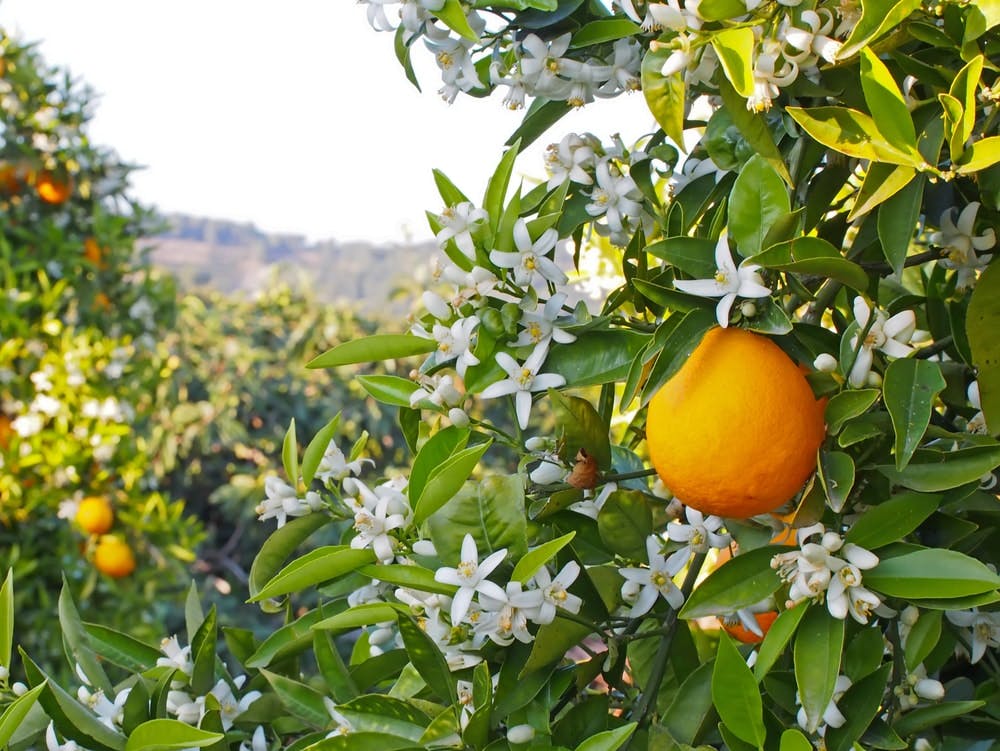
(372, 349)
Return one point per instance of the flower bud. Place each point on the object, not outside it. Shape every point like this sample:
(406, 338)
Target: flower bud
(520, 734)
(4, 672)
(424, 547)
(929, 689)
(874, 380)
(748, 308)
(825, 363)
(18, 688)
(458, 417)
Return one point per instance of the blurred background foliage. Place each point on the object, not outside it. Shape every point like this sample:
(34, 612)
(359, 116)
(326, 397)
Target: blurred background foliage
(170, 407)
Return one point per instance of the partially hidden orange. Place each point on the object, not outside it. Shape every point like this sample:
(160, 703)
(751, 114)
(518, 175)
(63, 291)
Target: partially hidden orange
(51, 188)
(95, 515)
(741, 633)
(735, 431)
(114, 557)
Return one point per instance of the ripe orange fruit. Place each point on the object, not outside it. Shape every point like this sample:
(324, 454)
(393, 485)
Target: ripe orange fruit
(114, 557)
(741, 633)
(6, 431)
(51, 188)
(735, 432)
(95, 515)
(93, 252)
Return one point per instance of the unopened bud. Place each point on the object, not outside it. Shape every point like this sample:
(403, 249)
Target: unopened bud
(748, 308)
(424, 547)
(520, 734)
(874, 380)
(19, 688)
(825, 363)
(458, 417)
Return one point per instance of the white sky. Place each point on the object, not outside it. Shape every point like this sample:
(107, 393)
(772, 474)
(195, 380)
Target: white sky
(293, 115)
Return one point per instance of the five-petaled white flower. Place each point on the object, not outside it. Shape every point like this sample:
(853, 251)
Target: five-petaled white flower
(554, 594)
(376, 513)
(470, 577)
(728, 283)
(522, 380)
(530, 260)
(887, 335)
(960, 242)
(700, 533)
(543, 326)
(655, 581)
(282, 501)
(458, 223)
(832, 716)
(334, 465)
(984, 628)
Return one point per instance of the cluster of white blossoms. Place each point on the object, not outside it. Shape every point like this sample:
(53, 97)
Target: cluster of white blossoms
(816, 573)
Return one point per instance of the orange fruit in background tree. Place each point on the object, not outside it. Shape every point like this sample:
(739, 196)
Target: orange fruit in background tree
(93, 252)
(741, 633)
(735, 431)
(51, 188)
(5, 431)
(114, 557)
(95, 515)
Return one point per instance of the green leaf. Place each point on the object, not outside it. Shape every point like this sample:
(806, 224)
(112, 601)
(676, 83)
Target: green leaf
(777, 638)
(446, 480)
(537, 557)
(735, 50)
(931, 471)
(435, 451)
(279, 546)
(604, 30)
(923, 718)
(818, 645)
(964, 88)
(753, 127)
(290, 455)
(908, 390)
(624, 523)
(877, 18)
(164, 735)
(595, 358)
(7, 619)
(388, 389)
(793, 739)
(743, 580)
(850, 132)
(77, 643)
(372, 349)
(360, 615)
(301, 701)
(813, 255)
(320, 565)
(121, 649)
(736, 695)
(859, 704)
(609, 740)
(836, 472)
(16, 712)
(692, 255)
(923, 637)
(981, 325)
(291, 639)
(491, 510)
(317, 448)
(931, 572)
(721, 10)
(496, 189)
(409, 575)
(979, 155)
(886, 103)
(897, 221)
(552, 642)
(204, 644)
(846, 406)
(892, 520)
(664, 94)
(340, 684)
(452, 14)
(758, 199)
(580, 427)
(692, 706)
(541, 115)
(881, 182)
(983, 16)
(364, 742)
(427, 659)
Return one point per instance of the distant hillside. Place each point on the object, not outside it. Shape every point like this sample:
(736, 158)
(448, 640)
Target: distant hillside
(235, 257)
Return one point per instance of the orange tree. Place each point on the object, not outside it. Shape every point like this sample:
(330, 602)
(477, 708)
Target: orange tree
(837, 201)
(79, 364)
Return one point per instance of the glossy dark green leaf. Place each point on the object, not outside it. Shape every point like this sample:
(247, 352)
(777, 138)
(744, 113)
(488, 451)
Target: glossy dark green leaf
(892, 519)
(604, 30)
(692, 707)
(76, 642)
(813, 255)
(836, 473)
(579, 427)
(446, 480)
(340, 685)
(897, 222)
(364, 742)
(291, 639)
(361, 615)
(758, 199)
(491, 510)
(279, 546)
(427, 659)
(624, 523)
(121, 649)
(376, 713)
(301, 701)
(496, 189)
(16, 712)
(933, 471)
(923, 637)
(931, 572)
(743, 580)
(909, 389)
(819, 642)
(596, 357)
(434, 452)
(981, 325)
(923, 718)
(847, 405)
(777, 638)
(609, 740)
(7, 618)
(859, 704)
(204, 644)
(753, 127)
(736, 695)
(316, 566)
(372, 349)
(388, 389)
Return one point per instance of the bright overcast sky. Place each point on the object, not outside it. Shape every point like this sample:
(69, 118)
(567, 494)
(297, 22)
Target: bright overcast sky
(292, 115)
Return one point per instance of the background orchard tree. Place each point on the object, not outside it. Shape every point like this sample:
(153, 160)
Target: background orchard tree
(837, 202)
